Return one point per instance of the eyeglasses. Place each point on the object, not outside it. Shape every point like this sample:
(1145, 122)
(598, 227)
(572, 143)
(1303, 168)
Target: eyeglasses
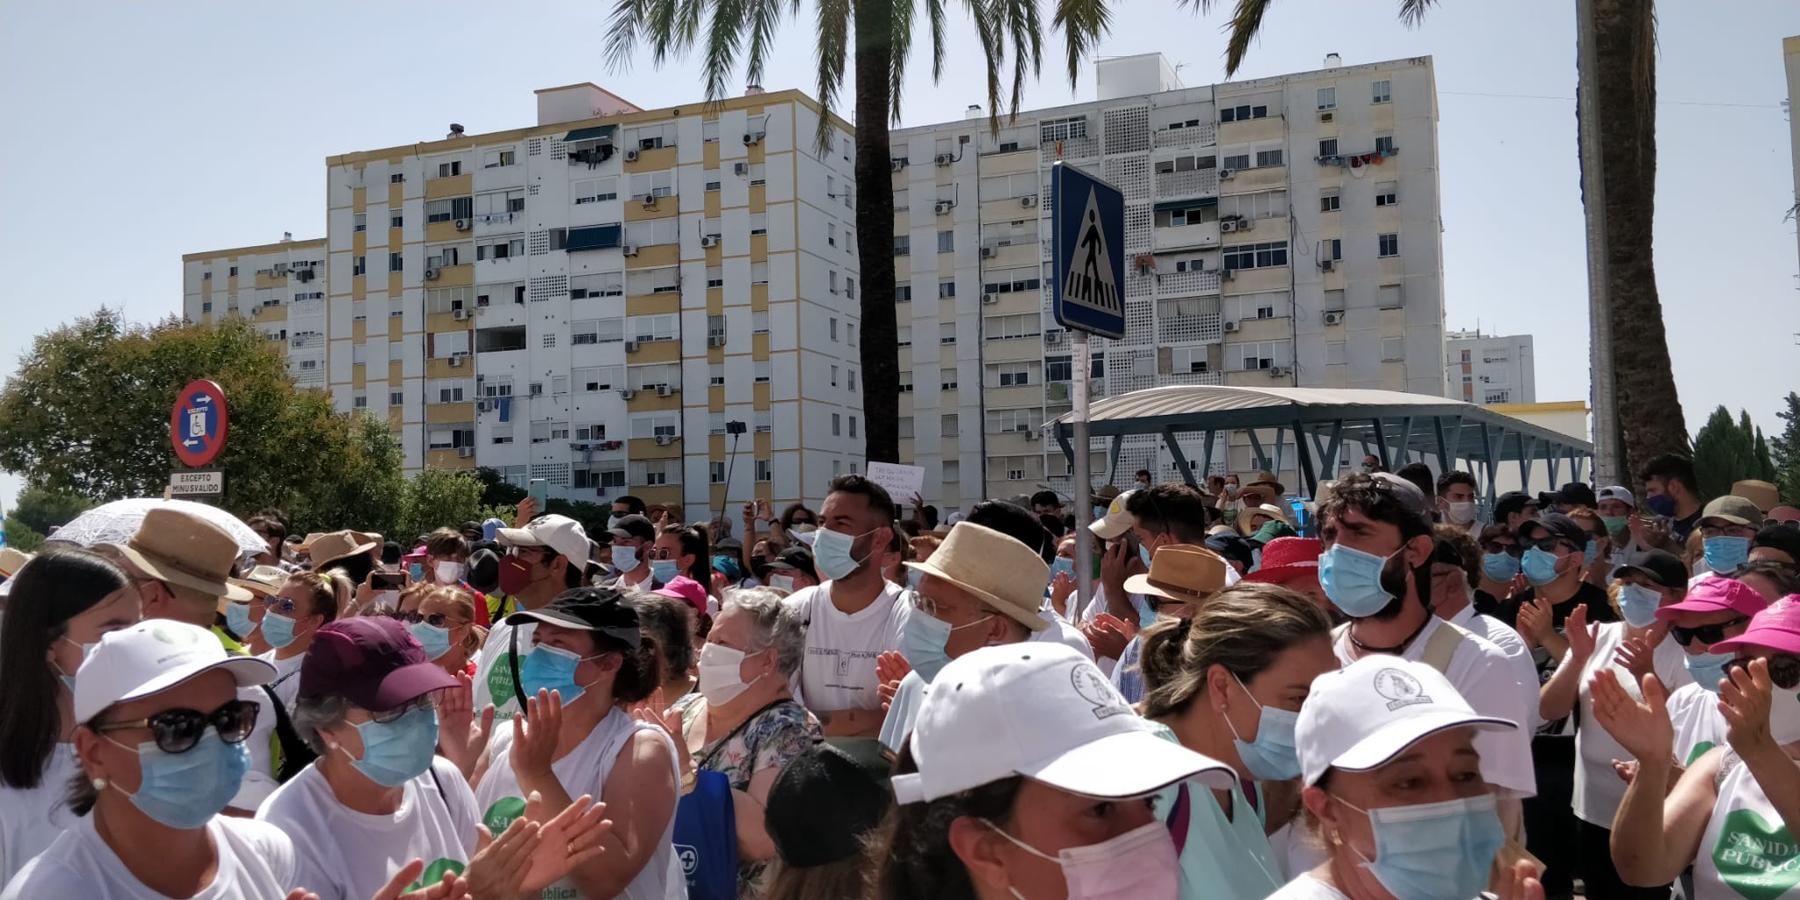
(1784, 670)
(281, 605)
(1727, 531)
(436, 620)
(178, 730)
(1549, 545)
(1508, 549)
(1708, 634)
(389, 715)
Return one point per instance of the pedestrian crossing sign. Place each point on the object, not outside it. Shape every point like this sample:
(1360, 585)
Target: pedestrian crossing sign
(1087, 218)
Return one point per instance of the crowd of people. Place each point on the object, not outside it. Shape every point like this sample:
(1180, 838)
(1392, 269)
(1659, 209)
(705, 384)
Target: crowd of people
(1389, 690)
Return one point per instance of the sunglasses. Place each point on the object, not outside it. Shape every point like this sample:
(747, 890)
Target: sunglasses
(1549, 545)
(1784, 670)
(1707, 634)
(436, 620)
(279, 605)
(178, 730)
(1508, 549)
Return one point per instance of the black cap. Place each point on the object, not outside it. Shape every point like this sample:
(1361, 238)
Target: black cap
(1558, 526)
(797, 557)
(1660, 566)
(826, 800)
(1576, 493)
(1785, 538)
(633, 526)
(1512, 502)
(598, 609)
(1233, 547)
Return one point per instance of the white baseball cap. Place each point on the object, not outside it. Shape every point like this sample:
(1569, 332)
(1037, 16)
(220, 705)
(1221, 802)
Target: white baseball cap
(155, 655)
(1361, 716)
(1046, 712)
(1615, 492)
(1116, 521)
(559, 533)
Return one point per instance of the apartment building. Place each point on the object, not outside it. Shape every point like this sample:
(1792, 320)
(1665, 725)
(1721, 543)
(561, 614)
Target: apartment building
(279, 287)
(596, 300)
(1280, 232)
(1490, 369)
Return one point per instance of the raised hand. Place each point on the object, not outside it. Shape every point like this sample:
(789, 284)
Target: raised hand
(1638, 654)
(499, 865)
(667, 718)
(535, 733)
(1107, 635)
(528, 510)
(1520, 882)
(1581, 635)
(1537, 622)
(1744, 699)
(1642, 727)
(1061, 587)
(567, 841)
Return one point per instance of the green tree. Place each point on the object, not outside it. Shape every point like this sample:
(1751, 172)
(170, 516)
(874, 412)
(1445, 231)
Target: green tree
(1785, 451)
(1645, 398)
(438, 498)
(21, 536)
(1727, 451)
(881, 33)
(42, 509)
(497, 491)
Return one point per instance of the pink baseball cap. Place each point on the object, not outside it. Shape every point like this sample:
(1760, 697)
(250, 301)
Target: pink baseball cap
(682, 587)
(1777, 628)
(1713, 595)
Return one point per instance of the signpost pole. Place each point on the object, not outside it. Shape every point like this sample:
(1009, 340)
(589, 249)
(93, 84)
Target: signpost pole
(1084, 485)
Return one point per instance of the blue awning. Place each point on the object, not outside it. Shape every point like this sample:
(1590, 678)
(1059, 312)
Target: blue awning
(1166, 205)
(596, 133)
(595, 237)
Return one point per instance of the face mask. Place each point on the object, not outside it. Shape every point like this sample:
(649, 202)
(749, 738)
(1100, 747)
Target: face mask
(721, 678)
(1499, 567)
(278, 630)
(1430, 851)
(1726, 553)
(1145, 609)
(1460, 512)
(832, 554)
(68, 680)
(782, 582)
(923, 640)
(237, 618)
(1272, 755)
(1231, 490)
(515, 574)
(416, 571)
(1539, 566)
(399, 751)
(1144, 554)
(1784, 715)
(1352, 580)
(1141, 863)
(1638, 605)
(1590, 552)
(664, 571)
(625, 558)
(552, 669)
(434, 638)
(1062, 566)
(1661, 504)
(1615, 524)
(185, 790)
(1099, 513)
(448, 572)
(1708, 669)
(913, 577)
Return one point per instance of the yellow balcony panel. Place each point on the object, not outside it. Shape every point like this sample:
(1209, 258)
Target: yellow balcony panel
(759, 248)
(717, 497)
(655, 352)
(663, 208)
(450, 414)
(441, 323)
(655, 256)
(453, 186)
(665, 303)
(1268, 128)
(359, 199)
(709, 155)
(1013, 396)
(359, 243)
(715, 398)
(759, 396)
(713, 204)
(762, 443)
(395, 419)
(759, 346)
(759, 198)
(715, 448)
(396, 239)
(648, 448)
(1250, 281)
(396, 284)
(396, 195)
(269, 280)
(1013, 443)
(658, 494)
(653, 160)
(451, 459)
(359, 330)
(454, 276)
(396, 328)
(359, 287)
(359, 376)
(443, 231)
(759, 298)
(1270, 329)
(651, 401)
(1260, 179)
(441, 368)
(396, 374)
(231, 284)
(755, 153)
(1021, 350)
(714, 255)
(272, 314)
(715, 303)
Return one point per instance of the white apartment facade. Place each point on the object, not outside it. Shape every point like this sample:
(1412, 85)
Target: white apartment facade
(594, 299)
(279, 287)
(1490, 369)
(1279, 232)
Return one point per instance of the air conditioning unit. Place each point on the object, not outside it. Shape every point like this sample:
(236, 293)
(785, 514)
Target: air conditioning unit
(1334, 317)
(461, 315)
(988, 252)
(465, 452)
(1326, 115)
(1278, 372)
(1230, 327)
(717, 340)
(431, 274)
(665, 390)
(482, 406)
(1225, 174)
(1228, 226)
(898, 163)
(631, 155)
(989, 299)
(945, 159)
(752, 137)
(1227, 274)
(1030, 435)
(628, 394)
(741, 168)
(943, 207)
(709, 240)
(649, 201)
(463, 225)
(1326, 265)
(664, 440)
(1028, 201)
(255, 311)
(632, 346)
(629, 249)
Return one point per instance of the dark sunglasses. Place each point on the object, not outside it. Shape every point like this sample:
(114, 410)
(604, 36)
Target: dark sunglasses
(1707, 634)
(178, 730)
(1508, 549)
(436, 620)
(1784, 670)
(1549, 545)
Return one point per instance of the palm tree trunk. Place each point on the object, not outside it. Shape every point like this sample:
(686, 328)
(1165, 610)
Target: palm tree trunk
(875, 233)
(1647, 404)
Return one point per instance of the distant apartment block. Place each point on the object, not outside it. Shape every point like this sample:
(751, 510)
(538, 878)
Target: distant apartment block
(1490, 369)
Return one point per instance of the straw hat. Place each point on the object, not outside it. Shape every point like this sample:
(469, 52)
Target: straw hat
(178, 547)
(11, 561)
(1765, 495)
(1186, 573)
(1245, 517)
(1266, 478)
(1004, 573)
(335, 545)
(263, 581)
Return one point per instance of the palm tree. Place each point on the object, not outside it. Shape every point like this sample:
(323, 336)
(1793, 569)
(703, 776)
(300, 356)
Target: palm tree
(1647, 405)
(882, 31)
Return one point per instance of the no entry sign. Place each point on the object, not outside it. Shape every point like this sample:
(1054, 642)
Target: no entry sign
(199, 423)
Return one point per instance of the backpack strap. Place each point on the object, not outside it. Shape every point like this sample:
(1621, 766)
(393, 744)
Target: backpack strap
(1441, 647)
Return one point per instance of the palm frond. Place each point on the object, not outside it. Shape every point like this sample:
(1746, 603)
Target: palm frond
(1412, 12)
(900, 47)
(723, 38)
(833, 52)
(1083, 23)
(990, 31)
(685, 26)
(935, 10)
(623, 30)
(1246, 20)
(764, 18)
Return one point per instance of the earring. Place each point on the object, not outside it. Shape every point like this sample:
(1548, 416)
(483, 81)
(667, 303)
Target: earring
(99, 784)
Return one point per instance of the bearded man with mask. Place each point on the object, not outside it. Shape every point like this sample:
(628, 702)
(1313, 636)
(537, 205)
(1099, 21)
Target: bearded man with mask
(855, 615)
(543, 559)
(1376, 569)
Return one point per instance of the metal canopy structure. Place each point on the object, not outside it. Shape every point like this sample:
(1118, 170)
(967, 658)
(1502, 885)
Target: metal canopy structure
(1318, 422)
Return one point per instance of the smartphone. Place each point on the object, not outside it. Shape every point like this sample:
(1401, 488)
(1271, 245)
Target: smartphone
(540, 491)
(387, 581)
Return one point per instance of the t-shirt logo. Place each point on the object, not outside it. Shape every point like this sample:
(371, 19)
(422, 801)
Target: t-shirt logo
(1093, 687)
(435, 873)
(1755, 858)
(500, 681)
(1400, 689)
(690, 859)
(502, 814)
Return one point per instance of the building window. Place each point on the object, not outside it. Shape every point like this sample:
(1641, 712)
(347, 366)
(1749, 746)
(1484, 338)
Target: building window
(1329, 201)
(903, 335)
(1390, 244)
(360, 401)
(449, 169)
(361, 223)
(1266, 158)
(764, 371)
(396, 262)
(1243, 113)
(1497, 397)
(1063, 129)
(1381, 91)
(494, 159)
(851, 375)
(1384, 143)
(902, 245)
(1393, 349)
(397, 178)
(946, 290)
(1335, 354)
(1256, 256)
(1328, 147)
(396, 398)
(906, 381)
(902, 293)
(763, 472)
(715, 471)
(946, 332)
(834, 376)
(833, 328)
(1332, 249)
(359, 265)
(946, 242)
(1387, 194)
(1389, 296)
(396, 219)
(1328, 98)
(1235, 161)
(837, 425)
(947, 379)
(948, 426)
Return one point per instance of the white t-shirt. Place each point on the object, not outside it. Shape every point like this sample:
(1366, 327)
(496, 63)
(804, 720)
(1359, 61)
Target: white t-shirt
(584, 771)
(287, 677)
(1699, 726)
(1746, 850)
(1061, 632)
(1503, 636)
(259, 780)
(493, 670)
(838, 670)
(1598, 789)
(1493, 685)
(31, 819)
(255, 860)
(342, 854)
(1306, 887)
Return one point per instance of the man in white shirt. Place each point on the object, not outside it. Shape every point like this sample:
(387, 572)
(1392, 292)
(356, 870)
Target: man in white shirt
(855, 615)
(546, 557)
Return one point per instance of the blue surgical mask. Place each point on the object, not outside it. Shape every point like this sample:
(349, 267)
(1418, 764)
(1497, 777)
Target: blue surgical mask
(551, 669)
(922, 642)
(1434, 851)
(1661, 504)
(434, 638)
(832, 554)
(1499, 567)
(1144, 554)
(237, 618)
(1638, 605)
(278, 630)
(664, 571)
(1590, 552)
(1539, 566)
(68, 678)
(1062, 566)
(185, 790)
(1708, 669)
(1099, 513)
(1352, 580)
(1726, 553)
(399, 751)
(1145, 609)
(913, 577)
(624, 558)
(1271, 756)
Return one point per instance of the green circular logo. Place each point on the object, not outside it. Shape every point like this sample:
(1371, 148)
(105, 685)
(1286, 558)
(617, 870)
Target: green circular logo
(435, 873)
(502, 814)
(500, 681)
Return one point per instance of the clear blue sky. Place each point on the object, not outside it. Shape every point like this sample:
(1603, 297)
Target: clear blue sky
(206, 124)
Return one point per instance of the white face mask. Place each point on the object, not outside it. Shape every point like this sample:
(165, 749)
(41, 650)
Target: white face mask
(720, 679)
(782, 582)
(1459, 513)
(1784, 714)
(448, 572)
